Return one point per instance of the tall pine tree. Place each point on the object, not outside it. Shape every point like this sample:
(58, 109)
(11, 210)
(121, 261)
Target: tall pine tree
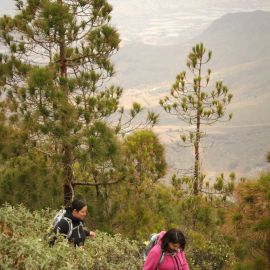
(195, 103)
(53, 79)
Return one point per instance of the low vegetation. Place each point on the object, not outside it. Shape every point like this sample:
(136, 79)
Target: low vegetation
(23, 246)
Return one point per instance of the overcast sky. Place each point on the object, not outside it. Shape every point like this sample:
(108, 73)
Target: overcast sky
(165, 22)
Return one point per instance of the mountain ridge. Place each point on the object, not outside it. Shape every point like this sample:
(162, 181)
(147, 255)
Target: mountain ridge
(242, 65)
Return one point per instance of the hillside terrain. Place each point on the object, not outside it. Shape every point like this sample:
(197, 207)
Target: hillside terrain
(240, 43)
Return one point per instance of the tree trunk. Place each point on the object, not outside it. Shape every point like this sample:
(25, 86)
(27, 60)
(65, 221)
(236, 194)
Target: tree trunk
(67, 156)
(197, 160)
(95, 177)
(197, 139)
(68, 194)
(69, 178)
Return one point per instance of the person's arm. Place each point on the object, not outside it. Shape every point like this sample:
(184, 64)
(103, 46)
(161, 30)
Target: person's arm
(90, 233)
(185, 264)
(152, 259)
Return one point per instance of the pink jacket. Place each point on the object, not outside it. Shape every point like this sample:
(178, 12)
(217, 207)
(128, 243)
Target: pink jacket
(169, 262)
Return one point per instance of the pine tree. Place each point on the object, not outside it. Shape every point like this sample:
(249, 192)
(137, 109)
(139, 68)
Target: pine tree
(54, 78)
(193, 103)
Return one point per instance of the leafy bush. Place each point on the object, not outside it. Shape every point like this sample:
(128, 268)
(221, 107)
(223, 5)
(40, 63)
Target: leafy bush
(205, 253)
(248, 223)
(22, 246)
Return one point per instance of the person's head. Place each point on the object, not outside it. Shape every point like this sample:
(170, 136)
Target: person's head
(78, 209)
(173, 240)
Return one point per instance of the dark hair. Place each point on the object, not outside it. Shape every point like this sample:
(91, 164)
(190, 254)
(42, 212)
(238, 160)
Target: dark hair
(76, 205)
(173, 236)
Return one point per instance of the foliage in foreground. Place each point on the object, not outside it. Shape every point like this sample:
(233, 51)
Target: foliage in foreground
(23, 246)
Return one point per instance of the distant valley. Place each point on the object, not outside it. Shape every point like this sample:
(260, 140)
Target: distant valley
(240, 43)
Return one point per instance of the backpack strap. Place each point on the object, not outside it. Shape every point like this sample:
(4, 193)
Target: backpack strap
(78, 228)
(152, 242)
(161, 258)
(70, 226)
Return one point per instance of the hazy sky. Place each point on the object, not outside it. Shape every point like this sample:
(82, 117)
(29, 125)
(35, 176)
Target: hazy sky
(165, 22)
(161, 22)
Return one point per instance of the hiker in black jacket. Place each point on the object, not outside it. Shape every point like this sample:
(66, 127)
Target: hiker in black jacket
(71, 225)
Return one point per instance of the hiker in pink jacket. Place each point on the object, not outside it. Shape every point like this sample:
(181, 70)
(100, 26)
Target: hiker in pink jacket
(168, 253)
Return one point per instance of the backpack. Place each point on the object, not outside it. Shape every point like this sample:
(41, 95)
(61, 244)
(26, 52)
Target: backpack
(59, 216)
(151, 243)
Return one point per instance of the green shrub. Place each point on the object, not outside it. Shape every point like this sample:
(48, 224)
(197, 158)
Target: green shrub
(205, 253)
(22, 246)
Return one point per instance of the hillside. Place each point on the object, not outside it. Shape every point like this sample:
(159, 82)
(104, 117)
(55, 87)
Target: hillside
(139, 64)
(23, 246)
(240, 44)
(239, 38)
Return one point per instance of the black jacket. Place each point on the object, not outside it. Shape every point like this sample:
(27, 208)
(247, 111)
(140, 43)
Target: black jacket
(72, 228)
